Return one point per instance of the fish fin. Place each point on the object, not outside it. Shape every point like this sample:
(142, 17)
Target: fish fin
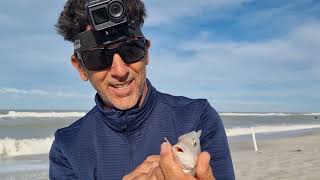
(199, 133)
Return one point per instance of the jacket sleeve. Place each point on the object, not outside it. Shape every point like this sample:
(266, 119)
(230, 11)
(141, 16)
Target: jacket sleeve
(59, 169)
(214, 141)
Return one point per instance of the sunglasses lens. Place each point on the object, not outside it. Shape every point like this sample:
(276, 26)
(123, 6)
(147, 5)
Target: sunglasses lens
(96, 60)
(100, 59)
(133, 51)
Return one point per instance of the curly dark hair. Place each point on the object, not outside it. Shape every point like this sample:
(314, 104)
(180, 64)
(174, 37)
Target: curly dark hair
(73, 19)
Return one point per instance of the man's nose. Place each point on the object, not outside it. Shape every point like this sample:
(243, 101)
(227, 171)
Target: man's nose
(119, 68)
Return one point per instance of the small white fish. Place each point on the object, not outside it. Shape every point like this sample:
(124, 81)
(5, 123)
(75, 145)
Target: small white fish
(186, 151)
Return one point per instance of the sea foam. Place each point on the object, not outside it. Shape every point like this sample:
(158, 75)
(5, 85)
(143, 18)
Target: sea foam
(269, 114)
(14, 114)
(18, 147)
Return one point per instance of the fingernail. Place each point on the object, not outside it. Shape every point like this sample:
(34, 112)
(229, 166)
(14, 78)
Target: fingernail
(164, 147)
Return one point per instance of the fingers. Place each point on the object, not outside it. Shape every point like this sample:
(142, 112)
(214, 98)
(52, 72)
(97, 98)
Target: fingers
(156, 174)
(143, 169)
(140, 177)
(151, 161)
(169, 167)
(203, 168)
(153, 158)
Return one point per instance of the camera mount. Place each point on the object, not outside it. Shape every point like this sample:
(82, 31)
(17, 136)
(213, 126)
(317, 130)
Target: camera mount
(109, 22)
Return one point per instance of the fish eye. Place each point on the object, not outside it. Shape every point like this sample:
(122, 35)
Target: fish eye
(194, 143)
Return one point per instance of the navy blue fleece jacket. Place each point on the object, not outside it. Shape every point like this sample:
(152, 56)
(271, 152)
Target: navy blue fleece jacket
(108, 144)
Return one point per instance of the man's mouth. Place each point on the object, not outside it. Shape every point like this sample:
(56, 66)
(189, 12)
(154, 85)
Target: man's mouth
(122, 86)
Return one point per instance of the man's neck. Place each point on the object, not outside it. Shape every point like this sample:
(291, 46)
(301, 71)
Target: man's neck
(144, 95)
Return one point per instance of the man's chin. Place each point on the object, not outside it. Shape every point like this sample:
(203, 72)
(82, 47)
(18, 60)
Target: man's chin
(124, 107)
(125, 104)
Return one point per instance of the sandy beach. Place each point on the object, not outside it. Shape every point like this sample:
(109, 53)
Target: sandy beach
(280, 158)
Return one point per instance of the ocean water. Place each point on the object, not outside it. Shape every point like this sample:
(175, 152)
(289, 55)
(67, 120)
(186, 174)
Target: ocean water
(26, 136)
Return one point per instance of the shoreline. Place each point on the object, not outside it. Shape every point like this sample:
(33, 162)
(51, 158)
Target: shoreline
(284, 155)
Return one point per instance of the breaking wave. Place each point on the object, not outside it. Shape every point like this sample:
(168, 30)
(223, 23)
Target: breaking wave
(269, 114)
(18, 147)
(14, 114)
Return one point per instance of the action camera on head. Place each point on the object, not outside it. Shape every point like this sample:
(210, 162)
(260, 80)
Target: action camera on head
(105, 14)
(110, 24)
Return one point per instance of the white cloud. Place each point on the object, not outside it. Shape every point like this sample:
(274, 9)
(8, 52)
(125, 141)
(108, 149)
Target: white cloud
(166, 11)
(278, 60)
(229, 71)
(39, 92)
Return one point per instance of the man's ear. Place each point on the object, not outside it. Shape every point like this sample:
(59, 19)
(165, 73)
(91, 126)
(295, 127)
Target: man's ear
(147, 53)
(78, 65)
(148, 43)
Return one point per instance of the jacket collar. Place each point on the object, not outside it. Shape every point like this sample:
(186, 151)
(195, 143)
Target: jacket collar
(131, 119)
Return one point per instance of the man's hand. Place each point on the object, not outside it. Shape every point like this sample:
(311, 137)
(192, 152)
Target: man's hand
(203, 168)
(164, 167)
(170, 169)
(142, 171)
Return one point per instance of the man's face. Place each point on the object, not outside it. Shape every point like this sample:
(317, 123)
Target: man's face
(122, 85)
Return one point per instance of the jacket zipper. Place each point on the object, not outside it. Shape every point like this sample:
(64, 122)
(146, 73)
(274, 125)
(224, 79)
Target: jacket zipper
(129, 143)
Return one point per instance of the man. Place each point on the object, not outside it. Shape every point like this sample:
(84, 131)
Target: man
(122, 136)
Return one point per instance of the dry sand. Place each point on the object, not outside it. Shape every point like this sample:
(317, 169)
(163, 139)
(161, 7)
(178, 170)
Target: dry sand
(293, 158)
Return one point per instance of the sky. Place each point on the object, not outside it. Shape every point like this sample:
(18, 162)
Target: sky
(241, 55)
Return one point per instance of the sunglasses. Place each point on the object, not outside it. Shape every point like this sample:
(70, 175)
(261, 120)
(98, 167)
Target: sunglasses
(97, 59)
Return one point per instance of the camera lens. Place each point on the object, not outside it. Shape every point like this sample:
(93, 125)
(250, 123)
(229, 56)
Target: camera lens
(116, 9)
(100, 16)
